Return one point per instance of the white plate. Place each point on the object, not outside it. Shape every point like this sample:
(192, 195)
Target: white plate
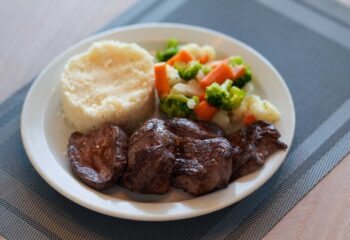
(45, 133)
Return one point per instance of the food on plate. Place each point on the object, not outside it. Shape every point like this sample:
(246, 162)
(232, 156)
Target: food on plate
(255, 142)
(191, 155)
(110, 88)
(192, 83)
(109, 82)
(203, 165)
(151, 158)
(184, 127)
(99, 158)
(254, 107)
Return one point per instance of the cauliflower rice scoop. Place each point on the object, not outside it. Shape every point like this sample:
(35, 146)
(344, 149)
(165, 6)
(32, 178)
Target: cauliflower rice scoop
(111, 82)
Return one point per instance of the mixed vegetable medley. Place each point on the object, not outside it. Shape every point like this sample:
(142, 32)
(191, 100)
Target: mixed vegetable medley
(192, 83)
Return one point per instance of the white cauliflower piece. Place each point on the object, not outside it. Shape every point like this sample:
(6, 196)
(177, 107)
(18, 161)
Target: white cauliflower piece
(189, 89)
(193, 48)
(249, 87)
(198, 51)
(222, 119)
(254, 105)
(173, 75)
(264, 110)
(210, 51)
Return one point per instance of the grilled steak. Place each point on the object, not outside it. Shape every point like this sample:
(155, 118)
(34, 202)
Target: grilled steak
(99, 158)
(202, 166)
(199, 130)
(151, 158)
(255, 143)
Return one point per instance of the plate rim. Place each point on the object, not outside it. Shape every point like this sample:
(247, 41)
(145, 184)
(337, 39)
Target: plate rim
(158, 217)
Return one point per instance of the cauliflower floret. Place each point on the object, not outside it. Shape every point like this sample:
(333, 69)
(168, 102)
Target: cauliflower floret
(173, 75)
(193, 48)
(239, 113)
(261, 109)
(222, 119)
(264, 110)
(198, 51)
(206, 49)
(249, 87)
(189, 89)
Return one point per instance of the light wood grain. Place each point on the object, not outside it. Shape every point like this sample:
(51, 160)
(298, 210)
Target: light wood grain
(34, 32)
(324, 213)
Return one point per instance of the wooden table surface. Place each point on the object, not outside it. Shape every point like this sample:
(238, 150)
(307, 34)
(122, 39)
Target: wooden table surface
(34, 32)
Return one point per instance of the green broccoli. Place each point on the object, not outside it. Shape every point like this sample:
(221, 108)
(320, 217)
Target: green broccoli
(238, 61)
(178, 105)
(206, 69)
(225, 96)
(189, 70)
(171, 49)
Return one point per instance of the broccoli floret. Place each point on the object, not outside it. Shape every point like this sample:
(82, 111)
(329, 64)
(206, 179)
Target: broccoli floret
(225, 96)
(206, 69)
(238, 61)
(171, 49)
(188, 71)
(178, 105)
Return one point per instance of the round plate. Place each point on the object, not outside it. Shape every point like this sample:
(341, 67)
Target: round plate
(45, 133)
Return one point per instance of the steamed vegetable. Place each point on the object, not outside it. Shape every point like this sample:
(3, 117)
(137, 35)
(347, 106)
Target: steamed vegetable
(161, 79)
(182, 56)
(171, 49)
(224, 96)
(220, 73)
(206, 69)
(204, 53)
(173, 75)
(249, 119)
(204, 59)
(189, 70)
(189, 89)
(238, 61)
(254, 106)
(204, 111)
(222, 119)
(178, 105)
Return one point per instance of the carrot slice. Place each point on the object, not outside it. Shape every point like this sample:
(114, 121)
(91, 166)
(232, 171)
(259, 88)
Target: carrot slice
(202, 96)
(204, 111)
(181, 56)
(238, 71)
(249, 119)
(218, 74)
(161, 79)
(204, 59)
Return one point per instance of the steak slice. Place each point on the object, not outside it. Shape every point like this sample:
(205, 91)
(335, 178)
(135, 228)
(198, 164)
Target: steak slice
(255, 143)
(184, 127)
(99, 158)
(151, 158)
(203, 166)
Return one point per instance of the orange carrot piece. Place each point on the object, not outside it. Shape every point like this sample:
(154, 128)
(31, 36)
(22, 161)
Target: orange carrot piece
(204, 111)
(204, 59)
(202, 97)
(238, 72)
(249, 119)
(218, 74)
(161, 79)
(181, 56)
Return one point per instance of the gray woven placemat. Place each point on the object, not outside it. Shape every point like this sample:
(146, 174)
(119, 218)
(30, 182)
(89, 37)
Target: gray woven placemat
(312, 59)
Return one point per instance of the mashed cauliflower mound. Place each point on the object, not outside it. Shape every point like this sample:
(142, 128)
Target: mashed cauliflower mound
(111, 82)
